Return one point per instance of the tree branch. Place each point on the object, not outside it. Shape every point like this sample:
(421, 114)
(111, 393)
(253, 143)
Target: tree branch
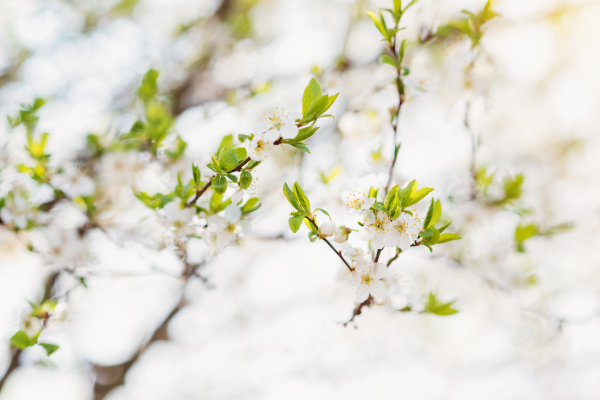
(339, 253)
(205, 188)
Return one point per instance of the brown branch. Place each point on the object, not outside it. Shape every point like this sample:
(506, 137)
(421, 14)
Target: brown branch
(396, 123)
(205, 188)
(339, 253)
(14, 362)
(358, 310)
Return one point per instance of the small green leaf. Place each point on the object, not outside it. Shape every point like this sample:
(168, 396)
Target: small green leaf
(291, 196)
(302, 199)
(324, 212)
(312, 92)
(317, 107)
(228, 160)
(419, 195)
(436, 307)
(242, 138)
(219, 184)
(196, 174)
(241, 154)
(250, 206)
(50, 348)
(407, 193)
(20, 340)
(443, 228)
(373, 192)
(245, 179)
(447, 237)
(296, 221)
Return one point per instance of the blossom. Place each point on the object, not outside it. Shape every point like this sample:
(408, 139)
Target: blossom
(341, 234)
(281, 122)
(74, 183)
(327, 229)
(366, 277)
(378, 230)
(179, 218)
(261, 145)
(353, 252)
(357, 201)
(404, 229)
(221, 231)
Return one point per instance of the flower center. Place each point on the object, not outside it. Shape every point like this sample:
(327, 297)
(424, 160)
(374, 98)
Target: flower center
(400, 227)
(367, 279)
(378, 224)
(355, 201)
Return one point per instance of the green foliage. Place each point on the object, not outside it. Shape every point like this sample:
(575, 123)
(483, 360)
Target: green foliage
(228, 159)
(245, 179)
(219, 184)
(524, 232)
(513, 188)
(250, 206)
(483, 180)
(21, 341)
(178, 149)
(300, 202)
(434, 306)
(217, 204)
(27, 116)
(314, 103)
(432, 235)
(471, 26)
(50, 348)
(326, 178)
(295, 221)
(148, 89)
(155, 201)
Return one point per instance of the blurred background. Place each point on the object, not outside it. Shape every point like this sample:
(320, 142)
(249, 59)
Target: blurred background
(501, 118)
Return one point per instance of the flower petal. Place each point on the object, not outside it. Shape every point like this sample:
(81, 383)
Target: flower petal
(354, 279)
(377, 289)
(379, 271)
(362, 293)
(288, 131)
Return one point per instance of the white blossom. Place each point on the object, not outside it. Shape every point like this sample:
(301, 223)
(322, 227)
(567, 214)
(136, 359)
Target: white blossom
(327, 229)
(357, 201)
(377, 229)
(74, 183)
(404, 229)
(179, 218)
(281, 122)
(261, 145)
(366, 277)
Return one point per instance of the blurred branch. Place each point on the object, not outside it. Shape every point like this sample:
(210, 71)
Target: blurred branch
(14, 362)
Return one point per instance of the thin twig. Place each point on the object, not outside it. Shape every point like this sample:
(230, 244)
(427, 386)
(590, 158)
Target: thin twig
(205, 188)
(358, 310)
(339, 253)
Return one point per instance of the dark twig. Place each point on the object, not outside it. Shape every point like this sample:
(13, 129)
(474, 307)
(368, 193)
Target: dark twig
(358, 310)
(205, 188)
(339, 253)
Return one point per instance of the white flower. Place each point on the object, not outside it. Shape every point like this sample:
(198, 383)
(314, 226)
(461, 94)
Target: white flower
(357, 201)
(221, 232)
(327, 229)
(377, 229)
(281, 122)
(74, 183)
(404, 229)
(366, 277)
(233, 213)
(17, 210)
(341, 234)
(179, 218)
(261, 145)
(353, 252)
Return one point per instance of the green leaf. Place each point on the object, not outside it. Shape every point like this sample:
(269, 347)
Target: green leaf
(316, 108)
(513, 188)
(20, 340)
(387, 59)
(250, 205)
(429, 215)
(443, 228)
(296, 221)
(434, 306)
(397, 6)
(419, 195)
(303, 134)
(312, 92)
(401, 52)
(196, 174)
(219, 184)
(50, 348)
(245, 179)
(379, 206)
(302, 199)
(148, 88)
(524, 232)
(291, 196)
(373, 192)
(228, 160)
(324, 212)
(448, 237)
(301, 146)
(242, 138)
(391, 197)
(407, 193)
(241, 154)
(380, 26)
(413, 2)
